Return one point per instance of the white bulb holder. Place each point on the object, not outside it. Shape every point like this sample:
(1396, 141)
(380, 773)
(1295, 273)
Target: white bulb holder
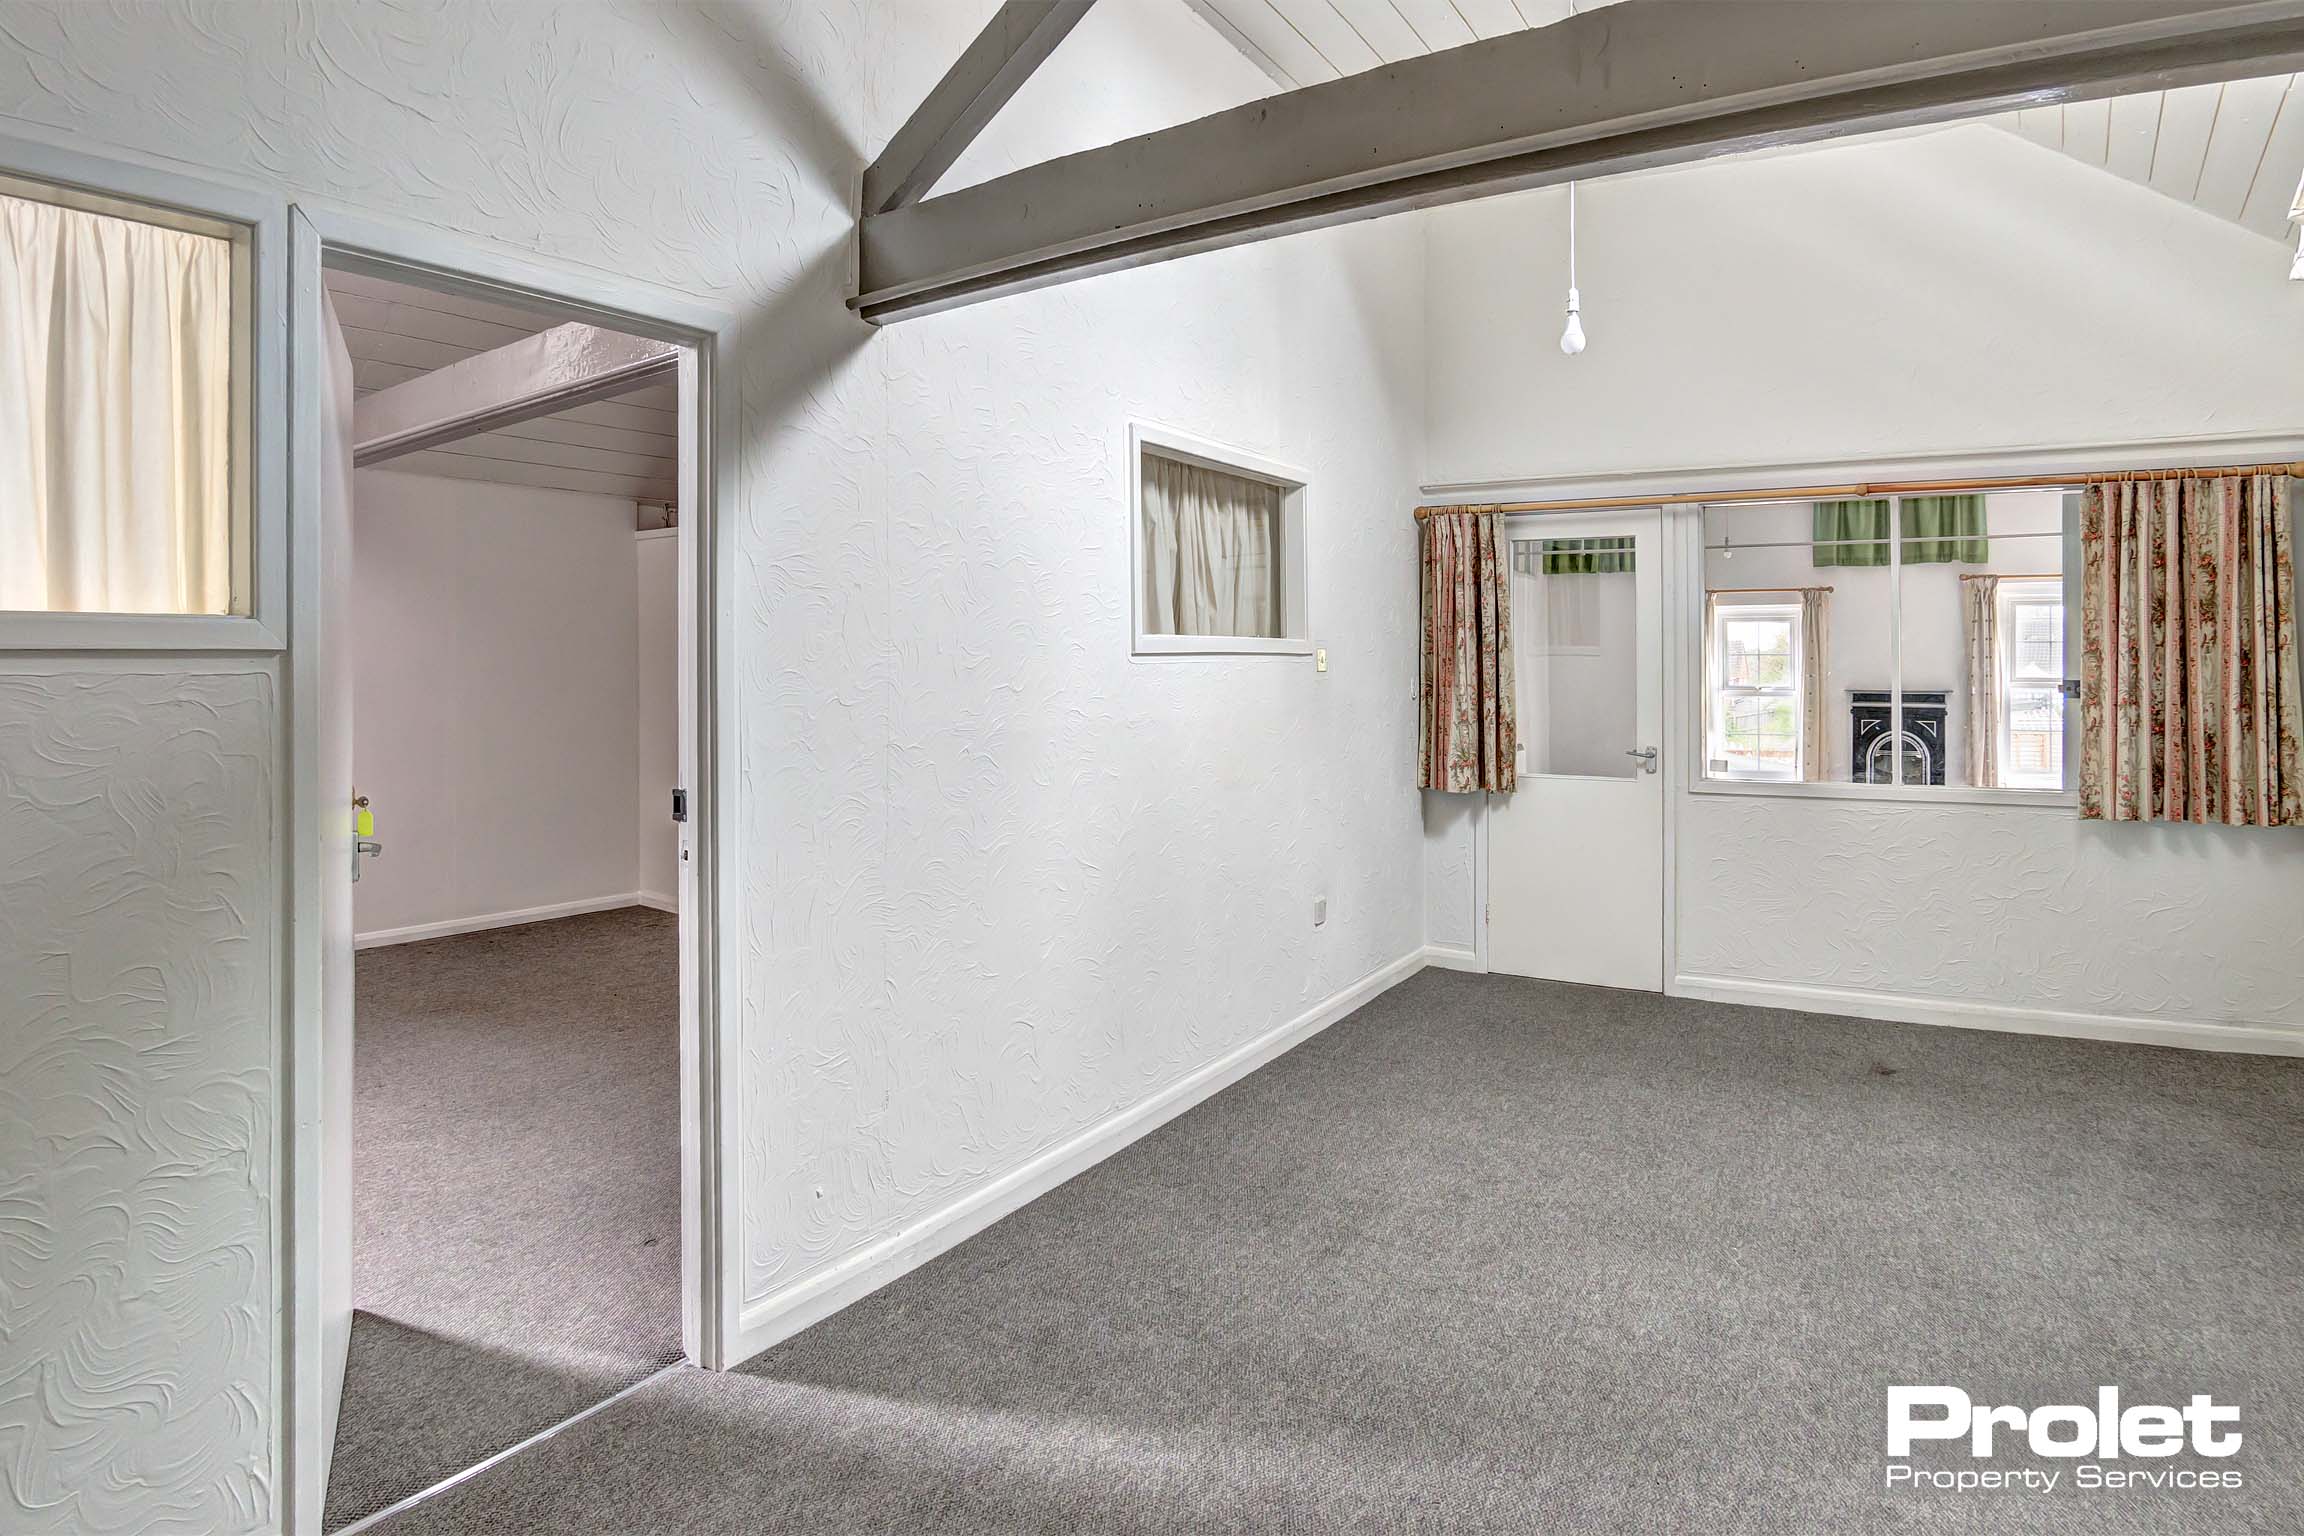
(1572, 339)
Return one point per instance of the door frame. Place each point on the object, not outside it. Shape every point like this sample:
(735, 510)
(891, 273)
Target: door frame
(710, 1293)
(1680, 567)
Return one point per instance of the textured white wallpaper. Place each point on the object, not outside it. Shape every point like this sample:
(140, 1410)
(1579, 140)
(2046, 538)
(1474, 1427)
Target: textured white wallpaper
(999, 881)
(138, 974)
(1451, 878)
(2034, 909)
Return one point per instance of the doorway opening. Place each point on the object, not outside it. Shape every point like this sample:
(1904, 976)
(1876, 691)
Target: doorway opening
(504, 722)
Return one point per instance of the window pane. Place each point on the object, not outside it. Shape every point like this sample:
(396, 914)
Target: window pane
(2039, 640)
(116, 435)
(1977, 629)
(1761, 738)
(1212, 552)
(2029, 696)
(1958, 619)
(1757, 652)
(2035, 756)
(1765, 564)
(1575, 655)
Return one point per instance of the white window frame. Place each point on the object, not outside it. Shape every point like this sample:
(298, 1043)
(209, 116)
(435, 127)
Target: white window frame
(1746, 605)
(256, 225)
(2015, 593)
(1293, 484)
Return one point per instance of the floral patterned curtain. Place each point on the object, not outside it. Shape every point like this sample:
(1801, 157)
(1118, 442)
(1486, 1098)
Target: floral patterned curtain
(1469, 732)
(2189, 697)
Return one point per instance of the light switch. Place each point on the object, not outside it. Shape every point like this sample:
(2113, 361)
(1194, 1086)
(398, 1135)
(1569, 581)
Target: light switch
(1320, 659)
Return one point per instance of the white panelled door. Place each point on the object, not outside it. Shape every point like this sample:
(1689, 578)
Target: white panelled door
(1576, 853)
(327, 647)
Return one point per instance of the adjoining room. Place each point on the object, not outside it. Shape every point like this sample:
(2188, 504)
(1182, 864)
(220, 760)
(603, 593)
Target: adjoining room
(515, 715)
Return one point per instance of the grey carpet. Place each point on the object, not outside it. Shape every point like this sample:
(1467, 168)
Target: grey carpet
(516, 1190)
(1498, 1256)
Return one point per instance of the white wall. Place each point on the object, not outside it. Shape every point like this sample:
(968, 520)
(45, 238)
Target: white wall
(1945, 293)
(1952, 293)
(656, 572)
(1011, 881)
(139, 955)
(998, 882)
(496, 699)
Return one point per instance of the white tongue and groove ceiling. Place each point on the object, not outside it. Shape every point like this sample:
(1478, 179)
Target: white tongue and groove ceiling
(627, 447)
(2233, 150)
(1303, 42)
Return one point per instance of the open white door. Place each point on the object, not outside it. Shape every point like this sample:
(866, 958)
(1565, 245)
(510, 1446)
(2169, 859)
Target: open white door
(325, 646)
(1576, 853)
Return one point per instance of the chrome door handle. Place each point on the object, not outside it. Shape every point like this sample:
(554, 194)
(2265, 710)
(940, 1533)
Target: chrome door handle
(364, 845)
(1647, 756)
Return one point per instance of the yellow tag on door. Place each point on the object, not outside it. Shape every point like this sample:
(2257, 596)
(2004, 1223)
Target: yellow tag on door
(363, 823)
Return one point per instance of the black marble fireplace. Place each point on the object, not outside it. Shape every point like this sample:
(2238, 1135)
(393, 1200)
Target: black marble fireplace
(1874, 745)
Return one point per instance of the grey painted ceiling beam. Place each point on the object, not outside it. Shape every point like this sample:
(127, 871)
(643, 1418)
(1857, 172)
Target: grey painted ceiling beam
(1632, 86)
(1012, 45)
(539, 375)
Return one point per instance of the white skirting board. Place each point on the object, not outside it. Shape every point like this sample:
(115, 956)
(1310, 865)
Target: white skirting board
(2186, 1034)
(1453, 957)
(777, 1316)
(486, 920)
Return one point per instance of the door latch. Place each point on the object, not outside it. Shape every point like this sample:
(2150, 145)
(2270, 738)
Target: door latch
(679, 805)
(1646, 756)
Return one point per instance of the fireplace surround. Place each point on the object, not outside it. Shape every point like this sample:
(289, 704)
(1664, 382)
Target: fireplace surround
(1873, 743)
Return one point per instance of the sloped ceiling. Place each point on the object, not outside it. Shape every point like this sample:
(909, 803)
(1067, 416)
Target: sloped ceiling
(2234, 150)
(1303, 42)
(627, 447)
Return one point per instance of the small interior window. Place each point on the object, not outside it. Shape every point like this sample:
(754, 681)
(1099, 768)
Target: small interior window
(1219, 553)
(123, 426)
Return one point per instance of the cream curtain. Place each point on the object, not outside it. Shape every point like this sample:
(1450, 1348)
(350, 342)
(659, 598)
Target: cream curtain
(1211, 551)
(115, 415)
(1980, 609)
(1815, 671)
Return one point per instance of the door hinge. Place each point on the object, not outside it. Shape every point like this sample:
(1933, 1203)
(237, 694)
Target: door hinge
(679, 805)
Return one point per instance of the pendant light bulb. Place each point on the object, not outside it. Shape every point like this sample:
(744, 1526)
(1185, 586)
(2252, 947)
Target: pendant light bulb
(1572, 338)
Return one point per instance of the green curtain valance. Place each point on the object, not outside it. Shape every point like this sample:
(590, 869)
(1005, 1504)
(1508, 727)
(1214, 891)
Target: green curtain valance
(1937, 530)
(1587, 557)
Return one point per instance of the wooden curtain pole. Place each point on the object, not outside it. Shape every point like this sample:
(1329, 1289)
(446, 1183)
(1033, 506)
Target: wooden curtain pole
(1873, 489)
